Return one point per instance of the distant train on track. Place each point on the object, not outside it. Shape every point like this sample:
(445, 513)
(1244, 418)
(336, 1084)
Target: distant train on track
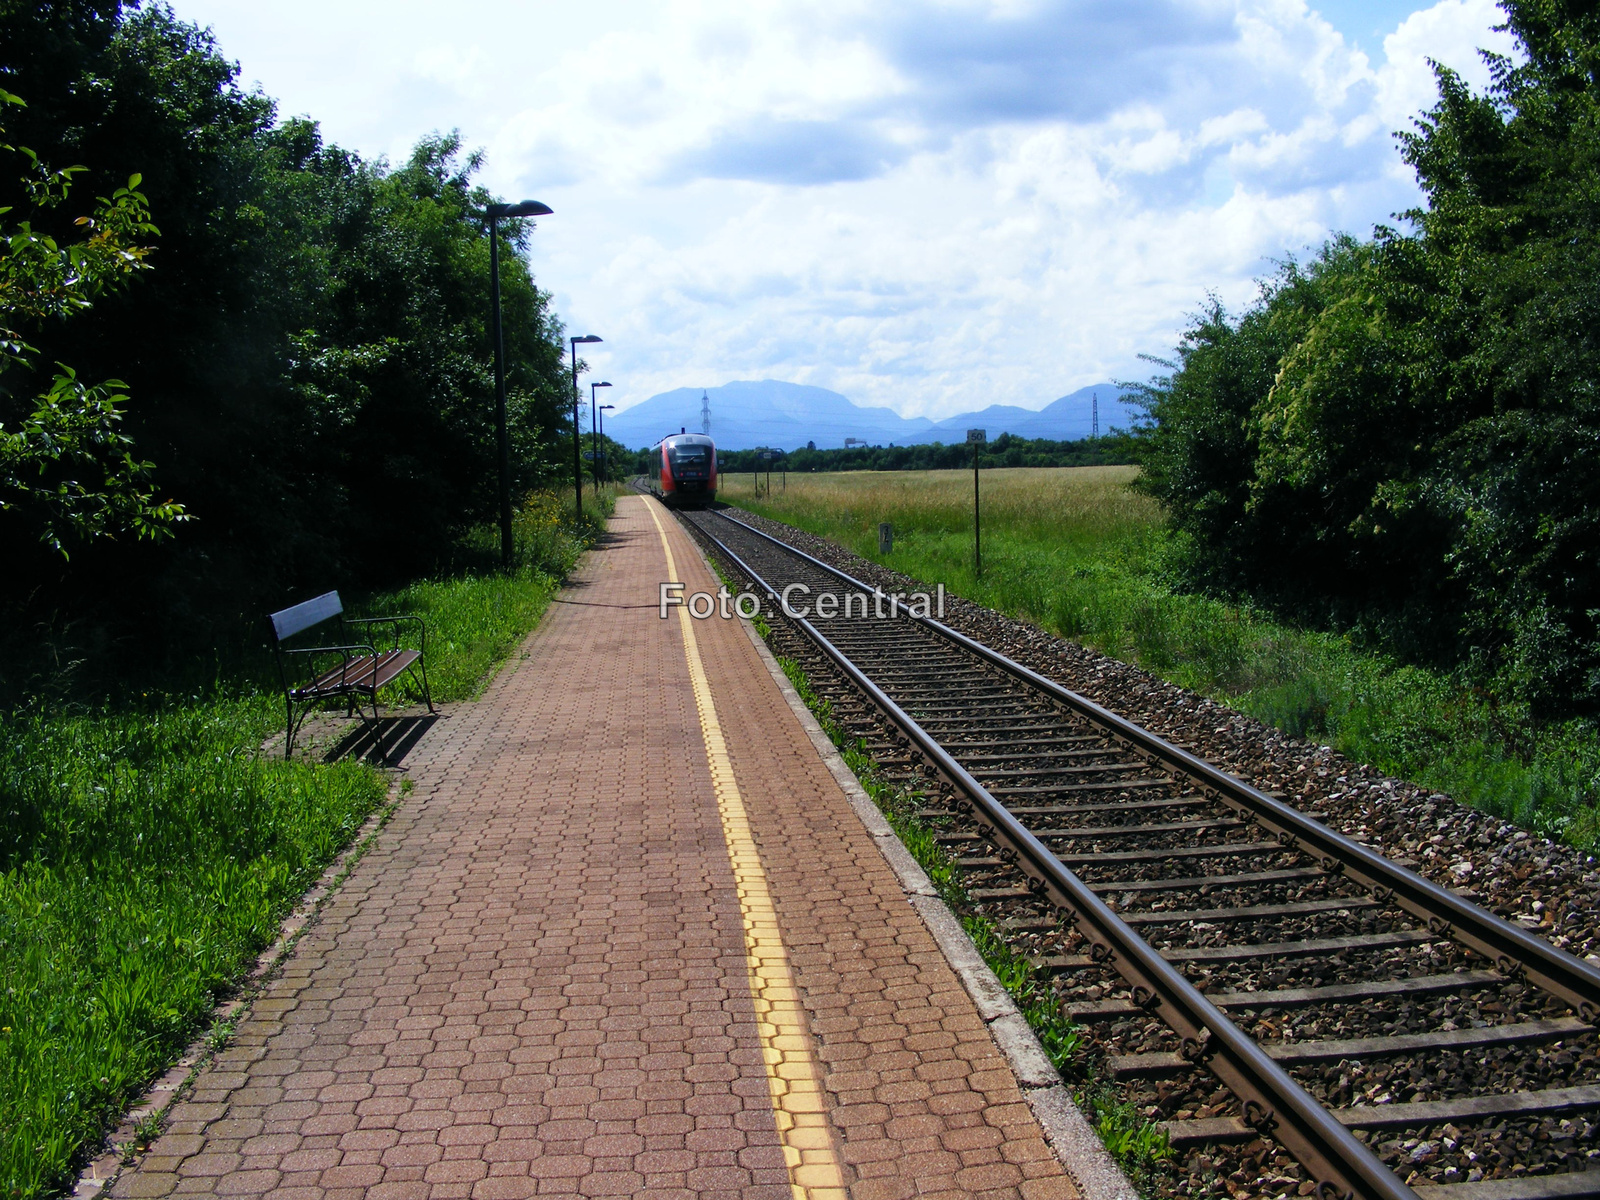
(688, 467)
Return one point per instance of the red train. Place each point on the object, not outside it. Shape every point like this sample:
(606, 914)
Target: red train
(688, 470)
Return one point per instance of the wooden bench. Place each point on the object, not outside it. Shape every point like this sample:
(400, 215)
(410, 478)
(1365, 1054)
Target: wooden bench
(351, 671)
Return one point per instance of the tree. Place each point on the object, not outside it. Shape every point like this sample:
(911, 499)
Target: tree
(66, 467)
(1511, 232)
(312, 357)
(1403, 435)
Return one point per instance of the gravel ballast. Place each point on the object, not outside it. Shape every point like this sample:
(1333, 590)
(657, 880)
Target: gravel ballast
(1542, 885)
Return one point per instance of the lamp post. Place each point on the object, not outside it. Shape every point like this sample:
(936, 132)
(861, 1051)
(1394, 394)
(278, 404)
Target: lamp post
(528, 208)
(594, 446)
(604, 473)
(577, 427)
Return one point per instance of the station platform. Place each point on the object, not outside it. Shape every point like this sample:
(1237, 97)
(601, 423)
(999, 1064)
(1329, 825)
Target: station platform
(625, 935)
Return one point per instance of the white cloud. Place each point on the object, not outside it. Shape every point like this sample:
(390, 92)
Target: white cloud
(1450, 32)
(463, 70)
(932, 206)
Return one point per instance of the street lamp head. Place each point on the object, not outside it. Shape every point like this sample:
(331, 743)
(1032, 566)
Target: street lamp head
(527, 208)
(604, 407)
(585, 339)
(599, 385)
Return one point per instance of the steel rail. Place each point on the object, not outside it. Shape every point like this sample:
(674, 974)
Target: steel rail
(1273, 1102)
(1514, 950)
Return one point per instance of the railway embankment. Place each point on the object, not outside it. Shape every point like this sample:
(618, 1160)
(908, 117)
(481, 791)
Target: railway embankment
(1080, 554)
(1540, 882)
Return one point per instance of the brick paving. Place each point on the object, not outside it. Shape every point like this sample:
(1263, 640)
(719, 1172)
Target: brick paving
(535, 982)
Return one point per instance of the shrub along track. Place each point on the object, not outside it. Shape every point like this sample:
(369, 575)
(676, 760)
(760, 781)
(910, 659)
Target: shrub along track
(1368, 1028)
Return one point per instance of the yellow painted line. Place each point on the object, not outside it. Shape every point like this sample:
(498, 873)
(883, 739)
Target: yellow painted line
(792, 1075)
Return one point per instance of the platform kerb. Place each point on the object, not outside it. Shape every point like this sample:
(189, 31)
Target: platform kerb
(536, 982)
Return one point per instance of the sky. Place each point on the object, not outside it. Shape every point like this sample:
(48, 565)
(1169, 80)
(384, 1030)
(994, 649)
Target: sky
(930, 205)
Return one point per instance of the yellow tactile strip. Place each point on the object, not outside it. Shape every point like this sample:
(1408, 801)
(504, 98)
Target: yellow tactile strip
(798, 1102)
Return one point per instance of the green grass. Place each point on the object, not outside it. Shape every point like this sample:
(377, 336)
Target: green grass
(473, 623)
(1077, 552)
(149, 856)
(148, 852)
(474, 620)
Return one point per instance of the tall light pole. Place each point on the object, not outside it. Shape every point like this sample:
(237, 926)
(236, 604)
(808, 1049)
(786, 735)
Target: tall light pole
(577, 427)
(528, 208)
(605, 468)
(594, 446)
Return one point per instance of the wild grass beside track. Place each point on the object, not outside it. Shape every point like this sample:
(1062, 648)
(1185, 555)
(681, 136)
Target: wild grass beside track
(1076, 552)
(148, 851)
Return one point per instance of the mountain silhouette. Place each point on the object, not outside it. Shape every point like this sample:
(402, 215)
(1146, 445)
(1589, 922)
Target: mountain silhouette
(770, 412)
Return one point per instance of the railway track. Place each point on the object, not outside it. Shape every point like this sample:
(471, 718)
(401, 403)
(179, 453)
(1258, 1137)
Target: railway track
(1394, 1039)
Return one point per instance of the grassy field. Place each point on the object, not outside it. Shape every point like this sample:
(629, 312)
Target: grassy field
(1078, 553)
(148, 851)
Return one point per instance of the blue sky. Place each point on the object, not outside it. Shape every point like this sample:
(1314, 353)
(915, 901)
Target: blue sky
(931, 205)
(1365, 23)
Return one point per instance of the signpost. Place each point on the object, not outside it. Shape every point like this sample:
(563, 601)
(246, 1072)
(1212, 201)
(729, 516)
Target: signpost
(976, 438)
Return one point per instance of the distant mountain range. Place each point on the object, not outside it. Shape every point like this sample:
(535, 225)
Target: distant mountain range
(769, 412)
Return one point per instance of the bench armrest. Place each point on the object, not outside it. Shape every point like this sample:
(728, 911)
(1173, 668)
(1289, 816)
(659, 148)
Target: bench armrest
(396, 622)
(345, 650)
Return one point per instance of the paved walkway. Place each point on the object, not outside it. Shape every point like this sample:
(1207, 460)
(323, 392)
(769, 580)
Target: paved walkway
(625, 937)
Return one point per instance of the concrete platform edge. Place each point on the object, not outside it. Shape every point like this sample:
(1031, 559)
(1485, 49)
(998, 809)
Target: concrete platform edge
(1076, 1145)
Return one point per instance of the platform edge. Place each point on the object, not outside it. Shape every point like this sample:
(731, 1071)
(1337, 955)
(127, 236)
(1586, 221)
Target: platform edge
(1074, 1142)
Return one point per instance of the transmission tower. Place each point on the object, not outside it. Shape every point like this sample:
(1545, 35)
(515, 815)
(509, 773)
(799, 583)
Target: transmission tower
(1094, 415)
(705, 413)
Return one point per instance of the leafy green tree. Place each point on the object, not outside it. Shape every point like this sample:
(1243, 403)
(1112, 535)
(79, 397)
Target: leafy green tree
(66, 467)
(1511, 233)
(1202, 439)
(1402, 435)
(311, 360)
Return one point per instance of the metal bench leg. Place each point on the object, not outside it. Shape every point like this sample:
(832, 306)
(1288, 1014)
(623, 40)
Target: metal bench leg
(383, 748)
(293, 727)
(426, 694)
(377, 729)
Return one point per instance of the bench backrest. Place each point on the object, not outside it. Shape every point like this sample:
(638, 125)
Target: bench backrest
(290, 621)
